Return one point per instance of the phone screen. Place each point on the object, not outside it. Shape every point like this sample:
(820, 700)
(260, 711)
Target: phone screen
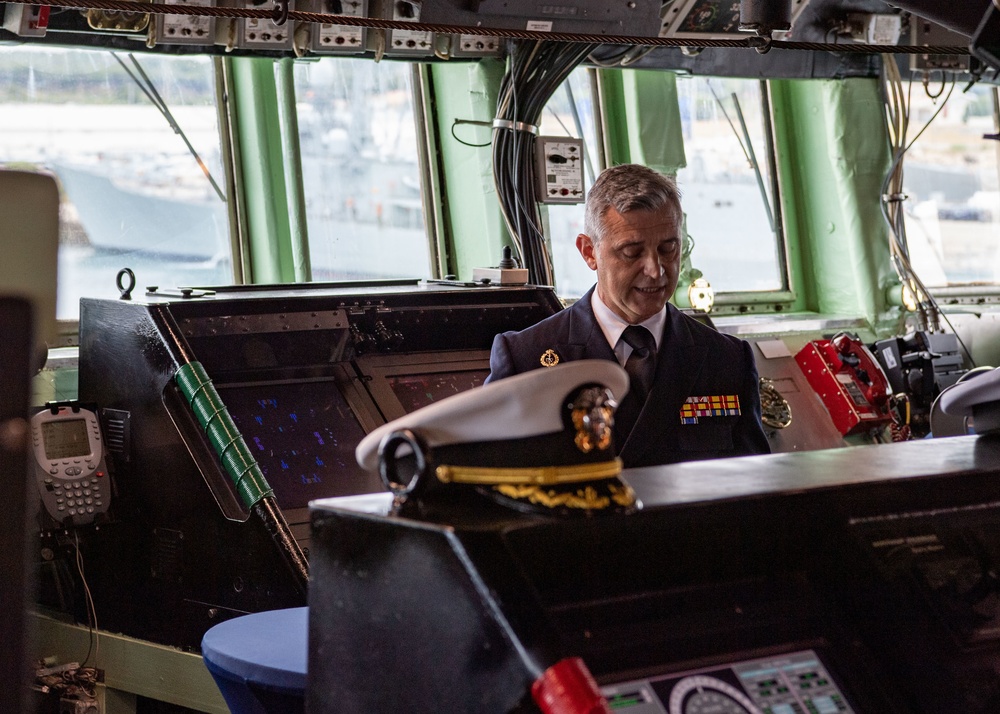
(65, 438)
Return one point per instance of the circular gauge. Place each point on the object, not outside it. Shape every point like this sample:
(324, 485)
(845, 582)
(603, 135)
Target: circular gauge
(708, 695)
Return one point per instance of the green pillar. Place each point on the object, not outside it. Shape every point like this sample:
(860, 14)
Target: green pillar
(262, 159)
(611, 91)
(642, 118)
(463, 92)
(831, 180)
(292, 170)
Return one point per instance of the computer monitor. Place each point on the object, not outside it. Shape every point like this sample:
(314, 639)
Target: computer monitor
(303, 434)
(400, 384)
(418, 390)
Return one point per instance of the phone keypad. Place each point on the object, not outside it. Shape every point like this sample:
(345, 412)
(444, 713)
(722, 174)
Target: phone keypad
(77, 497)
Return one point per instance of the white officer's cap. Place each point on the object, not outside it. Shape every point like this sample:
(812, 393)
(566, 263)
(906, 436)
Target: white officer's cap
(537, 441)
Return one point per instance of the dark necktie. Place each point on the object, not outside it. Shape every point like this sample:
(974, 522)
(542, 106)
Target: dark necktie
(641, 366)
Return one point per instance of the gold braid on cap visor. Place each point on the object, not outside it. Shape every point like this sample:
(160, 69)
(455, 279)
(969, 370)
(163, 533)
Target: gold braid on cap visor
(537, 475)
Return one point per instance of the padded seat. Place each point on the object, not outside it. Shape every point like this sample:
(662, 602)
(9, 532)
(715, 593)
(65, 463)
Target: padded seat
(259, 661)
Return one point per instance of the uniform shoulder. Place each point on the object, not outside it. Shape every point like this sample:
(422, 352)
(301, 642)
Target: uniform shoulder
(705, 333)
(542, 327)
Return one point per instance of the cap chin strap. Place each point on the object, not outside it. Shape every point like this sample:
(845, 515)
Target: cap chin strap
(531, 475)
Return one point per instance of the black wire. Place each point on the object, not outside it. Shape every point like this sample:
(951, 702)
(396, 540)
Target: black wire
(898, 227)
(466, 121)
(944, 84)
(89, 601)
(535, 72)
(611, 61)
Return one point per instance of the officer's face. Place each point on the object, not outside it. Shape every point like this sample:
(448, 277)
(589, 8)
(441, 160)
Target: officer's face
(637, 261)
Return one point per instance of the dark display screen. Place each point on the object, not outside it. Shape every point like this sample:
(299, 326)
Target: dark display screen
(303, 435)
(65, 438)
(418, 390)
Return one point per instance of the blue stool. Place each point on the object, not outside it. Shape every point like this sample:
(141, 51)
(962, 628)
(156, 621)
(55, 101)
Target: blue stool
(259, 661)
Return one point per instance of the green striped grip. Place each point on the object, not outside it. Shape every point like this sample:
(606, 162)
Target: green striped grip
(239, 463)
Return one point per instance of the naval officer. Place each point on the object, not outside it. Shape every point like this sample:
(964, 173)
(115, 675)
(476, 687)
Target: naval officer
(693, 391)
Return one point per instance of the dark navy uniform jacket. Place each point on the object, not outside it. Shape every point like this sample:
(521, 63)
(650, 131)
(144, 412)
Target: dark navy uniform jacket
(693, 361)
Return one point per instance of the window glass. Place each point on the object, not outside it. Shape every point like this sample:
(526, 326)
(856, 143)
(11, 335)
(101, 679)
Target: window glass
(570, 112)
(728, 216)
(132, 193)
(952, 210)
(360, 169)
(728, 204)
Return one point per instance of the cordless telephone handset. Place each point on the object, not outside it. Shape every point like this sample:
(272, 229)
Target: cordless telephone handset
(70, 470)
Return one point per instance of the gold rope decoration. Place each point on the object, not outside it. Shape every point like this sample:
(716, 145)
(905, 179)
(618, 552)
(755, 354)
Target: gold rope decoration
(585, 498)
(540, 475)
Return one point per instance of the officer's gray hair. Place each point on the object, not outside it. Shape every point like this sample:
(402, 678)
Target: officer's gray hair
(628, 187)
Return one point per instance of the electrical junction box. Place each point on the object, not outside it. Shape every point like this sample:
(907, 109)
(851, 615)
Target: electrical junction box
(874, 28)
(403, 43)
(26, 20)
(184, 29)
(328, 38)
(620, 18)
(259, 33)
(476, 46)
(712, 19)
(560, 169)
(924, 32)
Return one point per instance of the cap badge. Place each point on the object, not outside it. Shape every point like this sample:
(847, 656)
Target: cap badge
(592, 413)
(775, 410)
(549, 358)
(710, 406)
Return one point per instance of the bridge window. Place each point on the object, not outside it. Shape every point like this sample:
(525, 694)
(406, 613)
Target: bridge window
(132, 191)
(361, 174)
(952, 209)
(724, 147)
(570, 112)
(727, 186)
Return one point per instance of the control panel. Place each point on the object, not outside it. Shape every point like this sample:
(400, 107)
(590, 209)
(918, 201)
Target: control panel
(185, 29)
(560, 169)
(328, 38)
(260, 33)
(475, 46)
(405, 43)
(793, 683)
(712, 19)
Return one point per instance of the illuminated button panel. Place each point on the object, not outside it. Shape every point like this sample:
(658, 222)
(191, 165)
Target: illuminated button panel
(793, 683)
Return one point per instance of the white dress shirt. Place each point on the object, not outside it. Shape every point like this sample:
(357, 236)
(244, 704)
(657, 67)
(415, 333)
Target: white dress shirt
(613, 326)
